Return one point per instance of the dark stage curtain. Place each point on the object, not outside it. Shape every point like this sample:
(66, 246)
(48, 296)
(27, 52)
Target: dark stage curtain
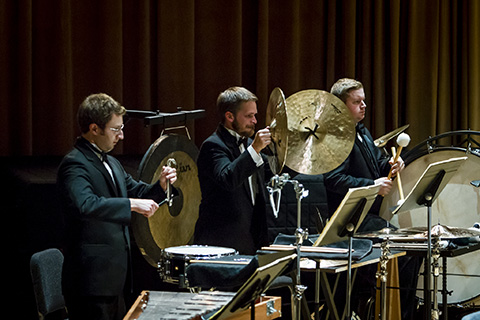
(419, 61)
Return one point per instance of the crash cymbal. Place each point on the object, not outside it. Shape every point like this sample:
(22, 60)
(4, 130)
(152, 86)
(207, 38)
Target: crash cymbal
(382, 141)
(170, 225)
(321, 132)
(445, 232)
(277, 121)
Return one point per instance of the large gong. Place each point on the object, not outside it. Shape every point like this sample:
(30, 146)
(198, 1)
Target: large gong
(170, 225)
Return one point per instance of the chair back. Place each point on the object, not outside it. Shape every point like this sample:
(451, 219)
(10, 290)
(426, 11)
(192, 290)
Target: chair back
(46, 272)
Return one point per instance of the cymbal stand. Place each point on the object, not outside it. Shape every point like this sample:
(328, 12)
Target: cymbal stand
(382, 275)
(436, 273)
(276, 184)
(300, 235)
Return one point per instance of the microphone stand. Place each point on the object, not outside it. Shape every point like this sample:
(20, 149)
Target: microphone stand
(277, 183)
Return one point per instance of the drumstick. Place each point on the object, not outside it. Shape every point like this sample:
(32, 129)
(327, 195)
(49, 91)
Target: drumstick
(399, 181)
(402, 140)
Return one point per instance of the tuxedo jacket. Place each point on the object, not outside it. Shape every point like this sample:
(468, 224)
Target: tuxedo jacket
(364, 164)
(97, 214)
(227, 217)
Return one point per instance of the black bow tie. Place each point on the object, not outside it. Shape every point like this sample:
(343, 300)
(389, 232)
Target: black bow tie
(243, 141)
(102, 154)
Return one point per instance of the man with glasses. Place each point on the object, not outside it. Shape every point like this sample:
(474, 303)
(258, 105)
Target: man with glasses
(98, 199)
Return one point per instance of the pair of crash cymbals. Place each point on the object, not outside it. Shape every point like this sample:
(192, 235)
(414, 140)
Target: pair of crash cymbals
(312, 131)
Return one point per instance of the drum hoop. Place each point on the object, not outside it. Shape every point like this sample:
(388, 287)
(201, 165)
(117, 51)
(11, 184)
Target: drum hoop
(409, 157)
(428, 146)
(170, 252)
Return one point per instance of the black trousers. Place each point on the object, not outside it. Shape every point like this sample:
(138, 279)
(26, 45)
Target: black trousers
(95, 307)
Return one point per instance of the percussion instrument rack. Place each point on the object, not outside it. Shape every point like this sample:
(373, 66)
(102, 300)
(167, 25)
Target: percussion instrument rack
(166, 120)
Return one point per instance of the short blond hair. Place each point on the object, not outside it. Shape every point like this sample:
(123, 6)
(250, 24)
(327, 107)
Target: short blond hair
(342, 88)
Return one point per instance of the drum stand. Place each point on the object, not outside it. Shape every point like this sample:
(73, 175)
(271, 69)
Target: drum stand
(427, 199)
(436, 273)
(382, 275)
(277, 183)
(349, 230)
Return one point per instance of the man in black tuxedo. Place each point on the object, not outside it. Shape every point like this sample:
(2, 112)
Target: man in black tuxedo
(98, 199)
(367, 165)
(231, 174)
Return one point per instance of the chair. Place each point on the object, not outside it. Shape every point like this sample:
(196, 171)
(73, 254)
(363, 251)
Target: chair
(46, 272)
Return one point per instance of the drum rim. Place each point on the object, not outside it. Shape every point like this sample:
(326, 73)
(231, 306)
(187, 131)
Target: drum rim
(427, 146)
(198, 246)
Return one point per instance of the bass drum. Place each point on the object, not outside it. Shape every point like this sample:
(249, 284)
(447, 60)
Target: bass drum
(458, 205)
(170, 225)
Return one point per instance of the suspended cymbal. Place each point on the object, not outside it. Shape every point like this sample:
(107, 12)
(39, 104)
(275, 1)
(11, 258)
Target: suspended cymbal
(382, 141)
(446, 232)
(321, 132)
(170, 225)
(277, 120)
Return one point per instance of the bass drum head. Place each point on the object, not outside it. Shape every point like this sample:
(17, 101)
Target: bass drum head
(170, 225)
(458, 205)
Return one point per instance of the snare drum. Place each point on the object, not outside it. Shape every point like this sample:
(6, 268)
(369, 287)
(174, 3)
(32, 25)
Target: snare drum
(176, 259)
(458, 205)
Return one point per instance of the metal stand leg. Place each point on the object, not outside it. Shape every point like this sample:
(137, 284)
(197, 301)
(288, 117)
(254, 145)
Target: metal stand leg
(382, 275)
(427, 267)
(444, 288)
(436, 274)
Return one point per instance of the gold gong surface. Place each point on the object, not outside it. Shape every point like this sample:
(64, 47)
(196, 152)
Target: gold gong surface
(174, 225)
(170, 228)
(321, 131)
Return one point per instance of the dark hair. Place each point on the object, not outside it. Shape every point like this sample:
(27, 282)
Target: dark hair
(231, 99)
(98, 108)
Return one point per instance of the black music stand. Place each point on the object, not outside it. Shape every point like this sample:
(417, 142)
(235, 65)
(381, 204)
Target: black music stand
(271, 266)
(424, 193)
(345, 222)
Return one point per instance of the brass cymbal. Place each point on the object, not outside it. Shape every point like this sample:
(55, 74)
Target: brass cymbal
(170, 225)
(382, 141)
(277, 121)
(321, 132)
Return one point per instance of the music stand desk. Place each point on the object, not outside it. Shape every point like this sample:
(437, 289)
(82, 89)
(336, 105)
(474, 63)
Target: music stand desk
(444, 253)
(337, 267)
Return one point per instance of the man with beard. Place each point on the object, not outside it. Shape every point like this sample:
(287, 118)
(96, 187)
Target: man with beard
(231, 174)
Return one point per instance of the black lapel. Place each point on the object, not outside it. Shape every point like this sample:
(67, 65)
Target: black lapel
(87, 149)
